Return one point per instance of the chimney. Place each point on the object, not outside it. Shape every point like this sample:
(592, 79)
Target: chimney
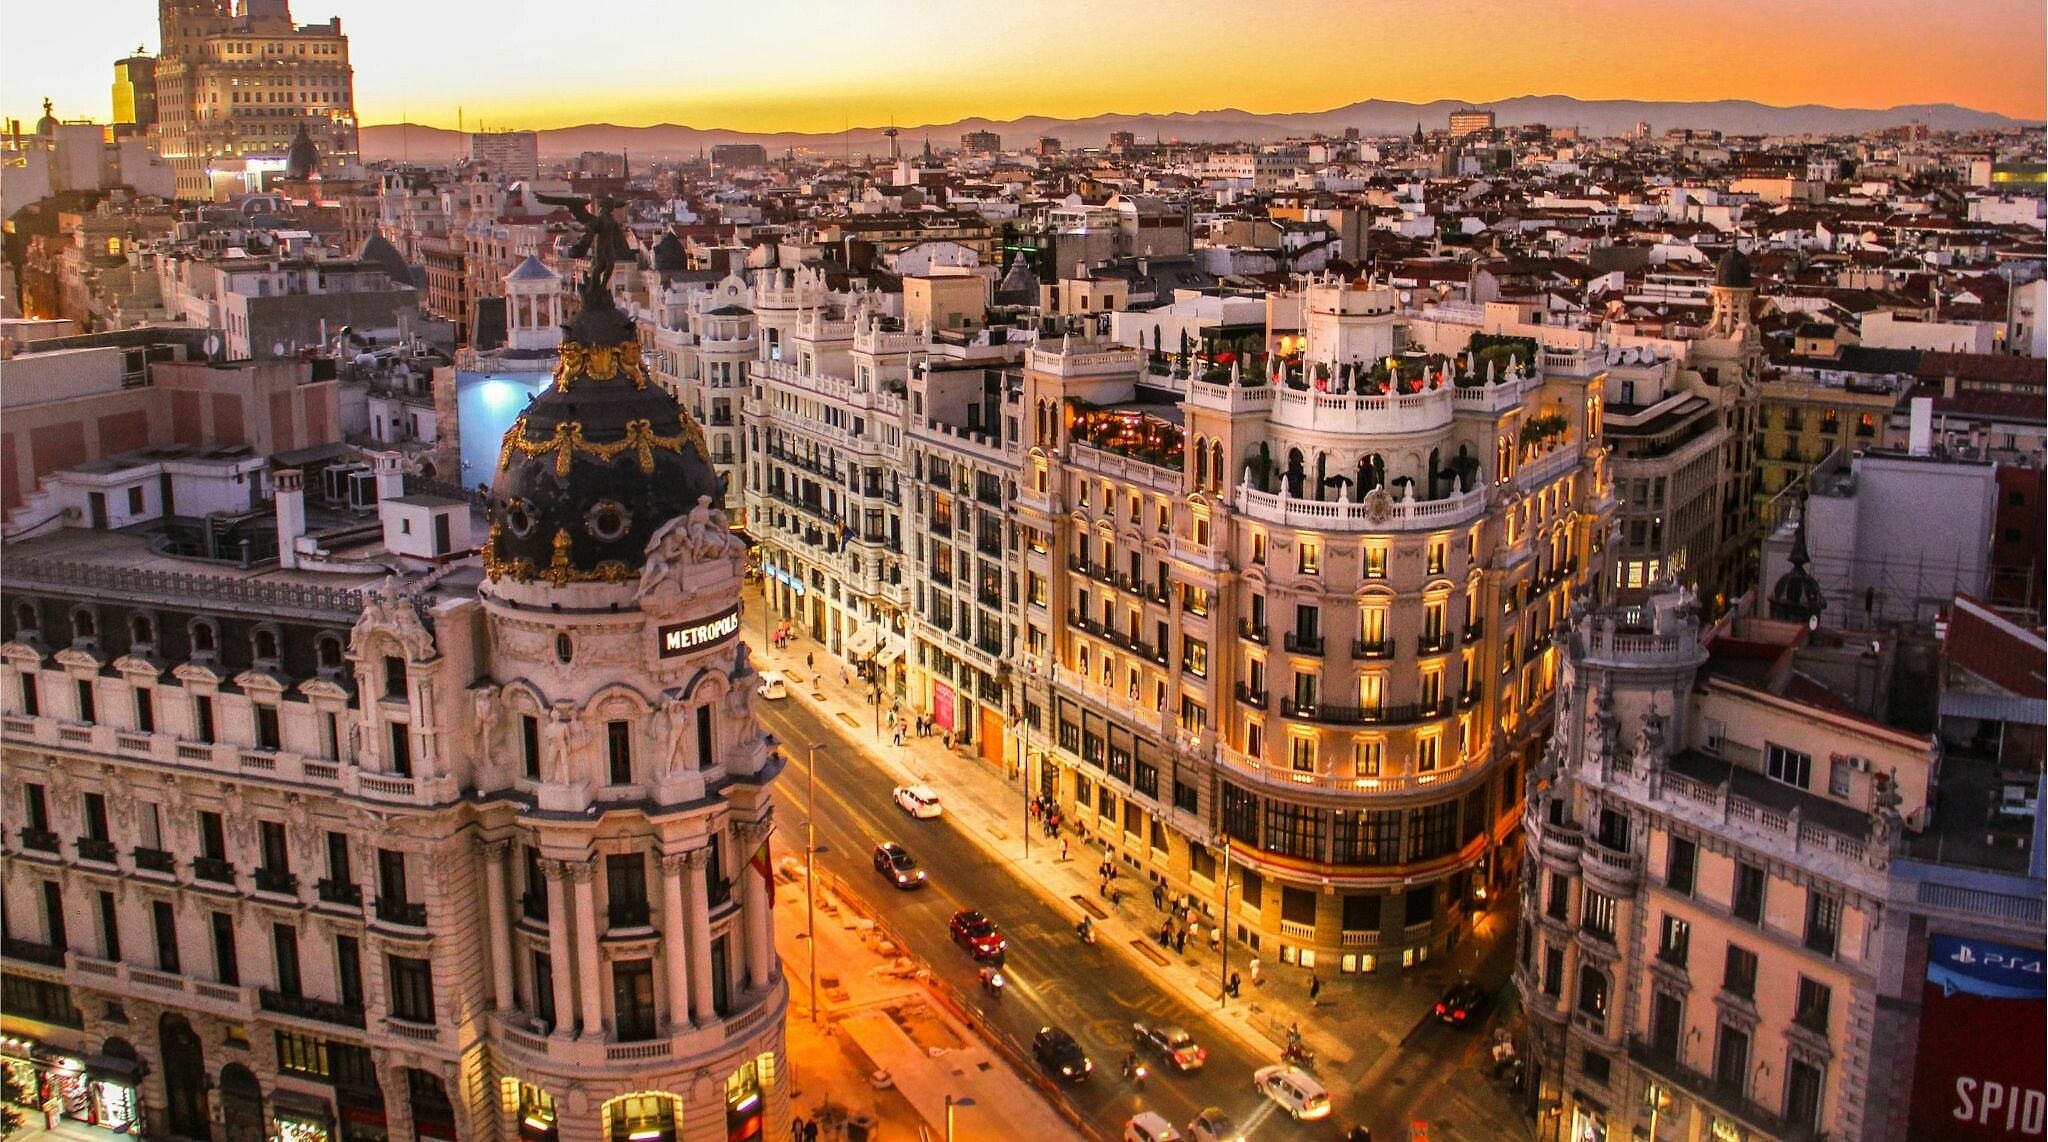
(1920, 438)
(390, 476)
(291, 515)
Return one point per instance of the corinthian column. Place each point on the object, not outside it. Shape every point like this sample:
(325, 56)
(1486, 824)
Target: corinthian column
(675, 939)
(757, 905)
(500, 939)
(559, 953)
(589, 969)
(697, 907)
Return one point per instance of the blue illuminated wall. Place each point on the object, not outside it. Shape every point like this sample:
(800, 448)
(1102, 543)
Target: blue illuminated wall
(486, 404)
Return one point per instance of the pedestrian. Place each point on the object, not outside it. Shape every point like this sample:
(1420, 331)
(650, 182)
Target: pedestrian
(1158, 896)
(899, 735)
(1315, 987)
(811, 660)
(1063, 850)
(1233, 985)
(1166, 934)
(1102, 887)
(1216, 938)
(796, 1128)
(1180, 941)
(1256, 982)
(811, 1130)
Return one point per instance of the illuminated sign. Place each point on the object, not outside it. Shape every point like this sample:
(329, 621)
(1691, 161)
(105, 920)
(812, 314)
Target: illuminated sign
(683, 638)
(1982, 1026)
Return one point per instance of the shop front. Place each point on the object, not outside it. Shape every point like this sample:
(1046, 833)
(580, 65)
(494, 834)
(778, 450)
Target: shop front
(298, 1117)
(53, 1086)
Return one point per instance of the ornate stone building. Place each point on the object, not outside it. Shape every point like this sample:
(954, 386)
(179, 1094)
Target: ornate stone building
(477, 853)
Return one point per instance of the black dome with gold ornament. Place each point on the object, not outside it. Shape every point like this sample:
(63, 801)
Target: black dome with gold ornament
(597, 463)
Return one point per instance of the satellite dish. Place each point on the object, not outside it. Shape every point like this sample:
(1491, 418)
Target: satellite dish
(213, 344)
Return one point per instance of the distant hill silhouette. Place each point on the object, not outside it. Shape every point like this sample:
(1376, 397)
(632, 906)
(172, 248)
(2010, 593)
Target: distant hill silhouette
(1371, 117)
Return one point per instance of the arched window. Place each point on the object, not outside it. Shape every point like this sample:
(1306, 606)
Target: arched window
(564, 648)
(1201, 463)
(1593, 993)
(330, 653)
(203, 636)
(25, 618)
(83, 625)
(265, 644)
(1216, 471)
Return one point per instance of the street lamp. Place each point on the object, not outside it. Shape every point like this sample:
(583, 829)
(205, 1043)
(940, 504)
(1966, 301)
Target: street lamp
(810, 870)
(1024, 777)
(952, 1102)
(1223, 932)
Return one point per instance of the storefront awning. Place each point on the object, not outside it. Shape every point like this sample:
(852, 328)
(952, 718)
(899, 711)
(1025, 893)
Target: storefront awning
(863, 641)
(891, 651)
(305, 1107)
(114, 1068)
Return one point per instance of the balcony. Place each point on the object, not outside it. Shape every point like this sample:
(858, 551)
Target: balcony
(1726, 1097)
(154, 860)
(29, 951)
(1251, 697)
(318, 1010)
(1364, 715)
(1298, 643)
(340, 892)
(402, 912)
(1433, 643)
(1253, 633)
(1475, 631)
(277, 880)
(213, 869)
(1372, 648)
(41, 840)
(95, 849)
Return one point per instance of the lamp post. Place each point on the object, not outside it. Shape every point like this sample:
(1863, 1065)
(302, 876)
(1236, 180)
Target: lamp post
(1024, 777)
(1223, 973)
(810, 870)
(952, 1102)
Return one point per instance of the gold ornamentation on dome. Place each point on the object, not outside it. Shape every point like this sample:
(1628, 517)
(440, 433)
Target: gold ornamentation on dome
(568, 440)
(599, 363)
(559, 571)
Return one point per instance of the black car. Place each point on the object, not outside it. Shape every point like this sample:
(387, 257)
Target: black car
(1462, 1004)
(895, 864)
(1057, 1052)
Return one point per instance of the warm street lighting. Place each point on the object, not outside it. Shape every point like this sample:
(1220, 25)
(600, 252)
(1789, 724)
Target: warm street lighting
(952, 1102)
(810, 870)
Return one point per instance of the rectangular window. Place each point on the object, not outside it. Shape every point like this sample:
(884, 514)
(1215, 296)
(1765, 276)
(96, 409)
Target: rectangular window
(705, 727)
(401, 749)
(1560, 905)
(96, 817)
(1675, 941)
(412, 989)
(1294, 830)
(1804, 1084)
(110, 928)
(1375, 561)
(1823, 922)
(1419, 905)
(1599, 916)
(1748, 903)
(1361, 913)
(633, 999)
(276, 855)
(1432, 830)
(1738, 976)
(1365, 837)
(394, 676)
(145, 709)
(31, 703)
(1680, 861)
(1553, 972)
(227, 961)
(348, 970)
(529, 746)
(268, 735)
(391, 877)
(543, 988)
(1839, 770)
(1811, 1008)
(88, 708)
(1185, 797)
(1788, 765)
(213, 836)
(1311, 558)
(1240, 814)
(166, 924)
(284, 946)
(618, 740)
(1194, 656)
(1367, 755)
(202, 717)
(1731, 1058)
(625, 882)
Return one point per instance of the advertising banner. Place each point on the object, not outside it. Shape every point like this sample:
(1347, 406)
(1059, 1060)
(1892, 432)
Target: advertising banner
(1983, 1023)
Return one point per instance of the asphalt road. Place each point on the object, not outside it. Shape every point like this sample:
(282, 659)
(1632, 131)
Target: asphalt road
(1094, 992)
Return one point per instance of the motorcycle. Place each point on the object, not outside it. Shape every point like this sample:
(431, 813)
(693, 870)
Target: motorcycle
(992, 982)
(1134, 1070)
(1086, 931)
(1297, 1054)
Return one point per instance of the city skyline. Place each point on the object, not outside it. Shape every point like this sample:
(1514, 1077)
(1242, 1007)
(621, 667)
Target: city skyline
(846, 68)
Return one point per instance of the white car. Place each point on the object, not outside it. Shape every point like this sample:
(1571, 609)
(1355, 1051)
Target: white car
(1151, 1127)
(917, 800)
(1212, 1125)
(1297, 1091)
(774, 685)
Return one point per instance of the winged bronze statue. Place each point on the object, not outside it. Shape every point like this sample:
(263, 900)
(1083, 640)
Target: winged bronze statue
(603, 241)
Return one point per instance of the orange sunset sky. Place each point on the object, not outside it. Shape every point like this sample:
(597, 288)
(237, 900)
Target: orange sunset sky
(820, 65)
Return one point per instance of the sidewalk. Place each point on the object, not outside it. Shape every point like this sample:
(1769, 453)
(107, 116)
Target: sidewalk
(1358, 1019)
(876, 1017)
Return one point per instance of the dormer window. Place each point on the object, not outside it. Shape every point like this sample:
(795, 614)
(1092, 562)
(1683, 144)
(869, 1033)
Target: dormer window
(83, 625)
(142, 632)
(266, 645)
(330, 653)
(26, 620)
(204, 638)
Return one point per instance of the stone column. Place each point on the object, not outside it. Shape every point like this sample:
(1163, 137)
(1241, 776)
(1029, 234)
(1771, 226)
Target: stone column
(697, 907)
(757, 906)
(500, 941)
(589, 967)
(675, 939)
(559, 962)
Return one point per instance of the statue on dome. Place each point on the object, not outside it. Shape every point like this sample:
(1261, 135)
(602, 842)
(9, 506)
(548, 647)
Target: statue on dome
(603, 241)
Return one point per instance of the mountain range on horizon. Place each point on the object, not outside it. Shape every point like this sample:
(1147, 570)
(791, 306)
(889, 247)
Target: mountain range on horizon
(1371, 117)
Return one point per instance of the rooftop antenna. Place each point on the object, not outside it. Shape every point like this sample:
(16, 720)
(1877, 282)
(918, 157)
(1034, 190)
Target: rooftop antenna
(891, 132)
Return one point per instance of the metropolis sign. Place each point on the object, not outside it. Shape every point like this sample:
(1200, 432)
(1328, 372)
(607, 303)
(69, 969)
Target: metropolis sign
(685, 638)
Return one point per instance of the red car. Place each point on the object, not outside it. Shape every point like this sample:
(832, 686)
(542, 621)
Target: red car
(976, 933)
